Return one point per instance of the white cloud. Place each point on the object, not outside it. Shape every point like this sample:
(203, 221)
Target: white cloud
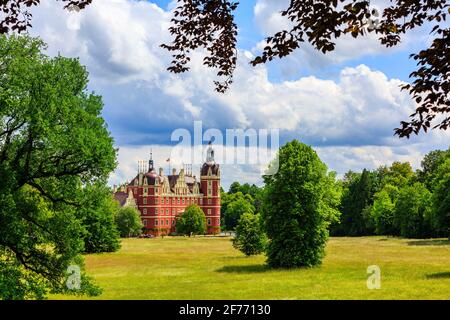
(269, 20)
(349, 120)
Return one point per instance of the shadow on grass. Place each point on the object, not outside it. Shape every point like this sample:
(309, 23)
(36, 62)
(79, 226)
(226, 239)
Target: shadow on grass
(253, 268)
(439, 275)
(431, 242)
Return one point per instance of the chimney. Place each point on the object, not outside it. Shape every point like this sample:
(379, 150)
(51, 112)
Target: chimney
(161, 172)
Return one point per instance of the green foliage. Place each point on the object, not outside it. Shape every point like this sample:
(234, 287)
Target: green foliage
(246, 189)
(234, 187)
(429, 167)
(412, 211)
(250, 238)
(382, 210)
(192, 221)
(440, 217)
(296, 209)
(236, 209)
(53, 141)
(97, 215)
(129, 222)
(399, 174)
(356, 200)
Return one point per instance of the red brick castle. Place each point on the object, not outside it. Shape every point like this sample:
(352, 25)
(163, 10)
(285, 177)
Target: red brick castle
(160, 198)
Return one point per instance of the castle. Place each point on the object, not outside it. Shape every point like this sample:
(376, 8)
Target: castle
(160, 199)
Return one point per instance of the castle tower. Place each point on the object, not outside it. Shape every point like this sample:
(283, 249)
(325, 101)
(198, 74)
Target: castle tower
(150, 163)
(210, 186)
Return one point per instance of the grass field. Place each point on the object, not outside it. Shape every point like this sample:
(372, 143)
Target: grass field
(210, 268)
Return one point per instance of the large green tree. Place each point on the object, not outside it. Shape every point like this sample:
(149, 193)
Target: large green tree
(129, 222)
(250, 238)
(192, 221)
(296, 209)
(53, 141)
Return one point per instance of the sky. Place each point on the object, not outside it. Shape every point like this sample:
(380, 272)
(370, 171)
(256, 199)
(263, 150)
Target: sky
(345, 104)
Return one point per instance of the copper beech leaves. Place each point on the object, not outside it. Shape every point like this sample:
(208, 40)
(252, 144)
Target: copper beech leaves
(210, 25)
(16, 15)
(207, 24)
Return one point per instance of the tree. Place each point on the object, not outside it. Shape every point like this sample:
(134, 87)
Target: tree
(235, 187)
(192, 221)
(250, 238)
(235, 210)
(440, 217)
(382, 210)
(356, 200)
(97, 215)
(412, 211)
(295, 208)
(399, 174)
(53, 141)
(128, 221)
(210, 25)
(429, 166)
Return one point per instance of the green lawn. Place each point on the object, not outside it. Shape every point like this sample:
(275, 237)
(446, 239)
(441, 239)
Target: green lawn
(210, 268)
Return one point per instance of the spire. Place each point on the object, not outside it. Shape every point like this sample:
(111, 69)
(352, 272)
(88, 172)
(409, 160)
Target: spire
(210, 153)
(150, 162)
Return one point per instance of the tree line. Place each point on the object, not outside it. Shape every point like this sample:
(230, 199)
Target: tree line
(391, 200)
(395, 200)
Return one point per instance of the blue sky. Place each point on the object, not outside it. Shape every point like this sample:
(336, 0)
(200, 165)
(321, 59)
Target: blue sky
(345, 104)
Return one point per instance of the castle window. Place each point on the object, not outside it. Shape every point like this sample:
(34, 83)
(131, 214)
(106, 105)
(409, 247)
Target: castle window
(167, 222)
(156, 210)
(156, 222)
(145, 200)
(173, 222)
(145, 190)
(183, 200)
(145, 211)
(167, 211)
(209, 221)
(201, 201)
(178, 200)
(145, 222)
(156, 200)
(173, 211)
(209, 201)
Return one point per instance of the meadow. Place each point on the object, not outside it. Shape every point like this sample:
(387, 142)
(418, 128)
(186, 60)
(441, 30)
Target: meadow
(210, 268)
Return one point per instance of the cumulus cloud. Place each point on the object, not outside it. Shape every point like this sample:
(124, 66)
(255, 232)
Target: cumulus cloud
(349, 120)
(269, 20)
